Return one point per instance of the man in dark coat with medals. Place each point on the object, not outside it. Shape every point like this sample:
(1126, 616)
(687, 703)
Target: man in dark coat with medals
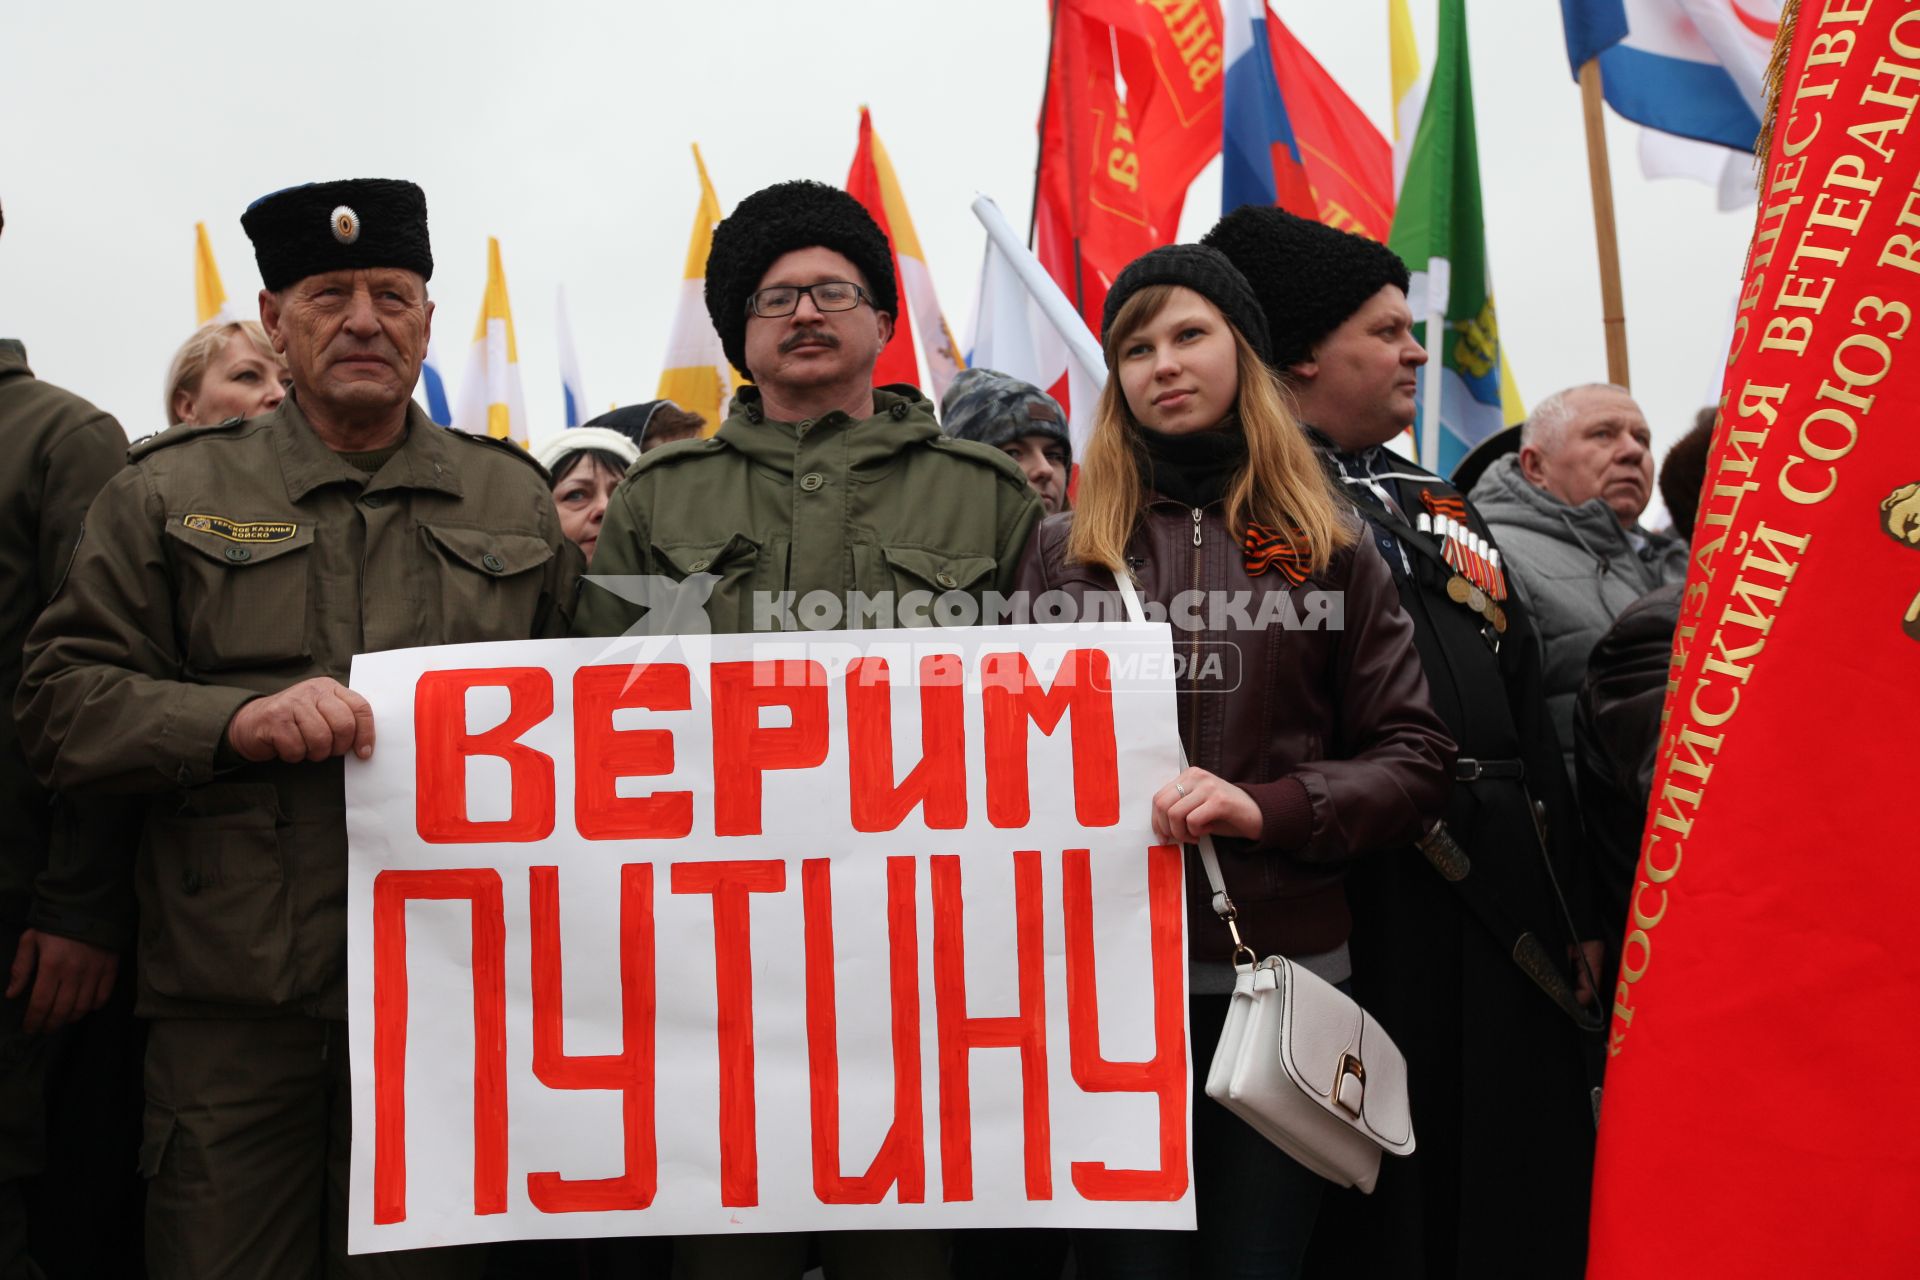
(1464, 947)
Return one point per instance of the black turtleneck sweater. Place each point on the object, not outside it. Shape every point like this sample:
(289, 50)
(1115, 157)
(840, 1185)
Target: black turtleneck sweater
(1195, 468)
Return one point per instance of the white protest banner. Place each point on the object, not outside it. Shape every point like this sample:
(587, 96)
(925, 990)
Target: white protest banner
(838, 930)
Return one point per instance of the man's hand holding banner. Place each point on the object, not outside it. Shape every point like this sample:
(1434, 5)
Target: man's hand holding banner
(759, 933)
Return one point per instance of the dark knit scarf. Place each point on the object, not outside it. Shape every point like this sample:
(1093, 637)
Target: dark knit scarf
(1194, 468)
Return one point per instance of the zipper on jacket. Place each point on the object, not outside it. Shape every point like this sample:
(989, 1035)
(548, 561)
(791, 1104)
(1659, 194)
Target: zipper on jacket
(1193, 656)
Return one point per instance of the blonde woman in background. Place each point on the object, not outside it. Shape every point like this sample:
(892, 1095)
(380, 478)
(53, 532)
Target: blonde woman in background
(227, 369)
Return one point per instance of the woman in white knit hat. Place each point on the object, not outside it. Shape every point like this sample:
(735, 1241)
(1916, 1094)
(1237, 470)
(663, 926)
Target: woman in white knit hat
(585, 463)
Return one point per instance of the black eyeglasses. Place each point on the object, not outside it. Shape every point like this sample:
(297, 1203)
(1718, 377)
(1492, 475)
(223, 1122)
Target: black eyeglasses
(828, 295)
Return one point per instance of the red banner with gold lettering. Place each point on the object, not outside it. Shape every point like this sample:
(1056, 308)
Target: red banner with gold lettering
(1349, 162)
(1115, 168)
(1765, 1056)
(1089, 204)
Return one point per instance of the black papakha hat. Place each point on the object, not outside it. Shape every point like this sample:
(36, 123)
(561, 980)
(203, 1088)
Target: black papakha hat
(1208, 273)
(339, 226)
(774, 222)
(1308, 277)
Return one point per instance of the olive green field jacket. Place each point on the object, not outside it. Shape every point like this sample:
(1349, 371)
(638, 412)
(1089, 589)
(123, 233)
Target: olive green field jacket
(783, 515)
(229, 562)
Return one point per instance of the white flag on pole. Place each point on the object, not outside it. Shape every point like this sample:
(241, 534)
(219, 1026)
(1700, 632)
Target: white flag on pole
(1023, 326)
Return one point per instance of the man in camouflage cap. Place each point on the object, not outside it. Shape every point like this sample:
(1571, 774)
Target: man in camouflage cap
(1018, 419)
(194, 658)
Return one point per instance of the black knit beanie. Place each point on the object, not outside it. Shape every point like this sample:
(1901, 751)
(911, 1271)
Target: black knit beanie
(1308, 277)
(1208, 273)
(775, 221)
(338, 226)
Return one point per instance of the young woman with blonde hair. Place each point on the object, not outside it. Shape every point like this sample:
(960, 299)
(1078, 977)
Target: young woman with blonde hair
(1303, 709)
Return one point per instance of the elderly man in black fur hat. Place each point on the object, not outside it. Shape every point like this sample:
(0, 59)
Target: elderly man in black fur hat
(1465, 948)
(193, 662)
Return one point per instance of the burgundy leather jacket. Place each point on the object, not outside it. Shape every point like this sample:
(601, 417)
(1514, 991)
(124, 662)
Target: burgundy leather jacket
(1321, 714)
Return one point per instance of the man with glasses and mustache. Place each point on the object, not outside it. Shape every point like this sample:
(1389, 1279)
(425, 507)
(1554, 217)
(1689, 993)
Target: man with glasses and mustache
(191, 666)
(819, 485)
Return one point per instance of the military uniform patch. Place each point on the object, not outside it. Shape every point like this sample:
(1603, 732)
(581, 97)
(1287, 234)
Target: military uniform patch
(238, 531)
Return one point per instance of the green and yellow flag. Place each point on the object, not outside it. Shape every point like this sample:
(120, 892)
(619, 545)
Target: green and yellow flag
(1439, 230)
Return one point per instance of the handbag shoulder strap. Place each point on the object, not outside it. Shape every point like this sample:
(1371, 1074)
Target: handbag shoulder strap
(1209, 858)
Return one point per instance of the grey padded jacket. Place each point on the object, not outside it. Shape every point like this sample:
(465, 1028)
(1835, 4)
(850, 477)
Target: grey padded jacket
(1576, 568)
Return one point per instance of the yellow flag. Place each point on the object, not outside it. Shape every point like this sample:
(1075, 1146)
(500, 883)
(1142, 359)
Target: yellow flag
(491, 403)
(695, 374)
(1512, 408)
(209, 295)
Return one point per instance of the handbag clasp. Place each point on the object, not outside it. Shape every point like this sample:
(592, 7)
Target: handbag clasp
(1238, 946)
(1350, 1085)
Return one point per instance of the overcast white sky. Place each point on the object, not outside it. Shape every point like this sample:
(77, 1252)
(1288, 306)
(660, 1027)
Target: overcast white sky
(563, 128)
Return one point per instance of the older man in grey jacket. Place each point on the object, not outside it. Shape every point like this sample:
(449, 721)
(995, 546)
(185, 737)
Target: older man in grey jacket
(1566, 513)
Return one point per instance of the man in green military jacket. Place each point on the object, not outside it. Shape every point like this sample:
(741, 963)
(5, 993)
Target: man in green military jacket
(195, 657)
(64, 918)
(817, 490)
(817, 486)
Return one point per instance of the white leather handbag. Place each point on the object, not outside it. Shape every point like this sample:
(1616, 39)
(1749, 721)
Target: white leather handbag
(1298, 1059)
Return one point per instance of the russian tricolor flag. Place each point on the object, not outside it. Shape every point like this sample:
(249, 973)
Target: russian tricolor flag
(1696, 68)
(1259, 155)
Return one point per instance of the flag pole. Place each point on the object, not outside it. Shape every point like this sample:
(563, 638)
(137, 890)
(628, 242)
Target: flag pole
(1040, 151)
(1082, 347)
(1613, 312)
(1434, 376)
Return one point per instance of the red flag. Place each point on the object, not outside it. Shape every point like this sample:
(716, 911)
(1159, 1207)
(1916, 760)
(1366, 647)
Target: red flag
(1173, 58)
(1349, 163)
(1089, 193)
(1759, 1115)
(896, 363)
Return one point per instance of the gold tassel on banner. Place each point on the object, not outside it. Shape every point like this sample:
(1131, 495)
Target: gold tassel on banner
(1776, 75)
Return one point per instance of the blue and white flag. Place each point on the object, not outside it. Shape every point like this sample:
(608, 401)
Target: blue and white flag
(434, 385)
(1695, 68)
(1259, 155)
(571, 388)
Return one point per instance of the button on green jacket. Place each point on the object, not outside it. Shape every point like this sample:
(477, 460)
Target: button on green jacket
(233, 561)
(886, 504)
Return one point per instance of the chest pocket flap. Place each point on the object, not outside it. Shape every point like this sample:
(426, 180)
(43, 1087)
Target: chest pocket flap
(937, 571)
(241, 552)
(492, 552)
(736, 554)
